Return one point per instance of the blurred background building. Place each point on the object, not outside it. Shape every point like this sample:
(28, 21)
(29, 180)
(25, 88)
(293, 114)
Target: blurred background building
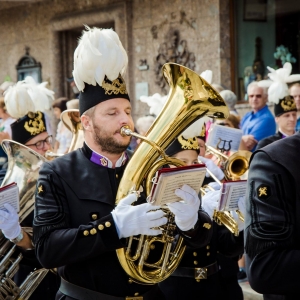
(236, 39)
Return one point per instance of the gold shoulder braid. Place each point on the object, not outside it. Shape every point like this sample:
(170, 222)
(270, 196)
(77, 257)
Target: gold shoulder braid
(288, 103)
(190, 144)
(116, 87)
(36, 124)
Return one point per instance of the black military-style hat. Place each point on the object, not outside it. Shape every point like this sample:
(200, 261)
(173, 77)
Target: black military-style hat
(99, 63)
(181, 144)
(285, 105)
(93, 95)
(27, 127)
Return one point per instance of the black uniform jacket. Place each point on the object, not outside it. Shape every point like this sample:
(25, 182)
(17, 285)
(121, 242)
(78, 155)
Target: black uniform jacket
(222, 241)
(272, 221)
(268, 140)
(74, 196)
(48, 287)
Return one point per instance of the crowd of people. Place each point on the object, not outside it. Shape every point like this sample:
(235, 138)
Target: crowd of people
(77, 224)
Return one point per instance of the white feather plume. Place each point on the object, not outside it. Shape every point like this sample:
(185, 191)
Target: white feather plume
(99, 53)
(207, 75)
(17, 101)
(194, 129)
(27, 96)
(40, 95)
(156, 103)
(277, 84)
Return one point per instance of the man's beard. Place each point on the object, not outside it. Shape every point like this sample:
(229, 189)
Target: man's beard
(107, 143)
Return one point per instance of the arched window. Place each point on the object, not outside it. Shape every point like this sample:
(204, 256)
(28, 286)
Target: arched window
(28, 66)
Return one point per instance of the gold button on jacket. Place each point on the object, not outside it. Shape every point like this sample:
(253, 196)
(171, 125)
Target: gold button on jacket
(93, 231)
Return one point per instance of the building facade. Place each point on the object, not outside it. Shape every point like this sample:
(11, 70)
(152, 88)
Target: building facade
(236, 39)
(194, 33)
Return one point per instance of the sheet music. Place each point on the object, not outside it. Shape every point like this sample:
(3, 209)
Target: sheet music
(11, 196)
(169, 182)
(223, 135)
(231, 192)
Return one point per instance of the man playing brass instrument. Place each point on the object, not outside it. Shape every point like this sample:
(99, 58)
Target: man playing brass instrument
(77, 227)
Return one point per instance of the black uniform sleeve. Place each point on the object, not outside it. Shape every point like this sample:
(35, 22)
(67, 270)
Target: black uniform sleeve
(202, 233)
(229, 244)
(272, 261)
(58, 244)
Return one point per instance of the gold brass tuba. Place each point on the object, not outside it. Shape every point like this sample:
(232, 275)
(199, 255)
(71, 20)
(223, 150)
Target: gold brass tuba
(190, 98)
(23, 168)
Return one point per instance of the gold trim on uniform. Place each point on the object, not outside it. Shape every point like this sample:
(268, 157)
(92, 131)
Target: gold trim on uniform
(93, 231)
(103, 161)
(207, 225)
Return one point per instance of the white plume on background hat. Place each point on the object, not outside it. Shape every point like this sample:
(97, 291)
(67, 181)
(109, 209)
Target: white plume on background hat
(40, 95)
(27, 96)
(194, 129)
(99, 53)
(207, 75)
(156, 103)
(277, 84)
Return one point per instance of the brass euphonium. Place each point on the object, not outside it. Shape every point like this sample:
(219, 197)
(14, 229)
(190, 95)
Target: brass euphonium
(71, 119)
(23, 168)
(234, 167)
(190, 98)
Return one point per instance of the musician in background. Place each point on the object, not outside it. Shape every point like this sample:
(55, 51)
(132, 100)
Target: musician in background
(31, 131)
(286, 118)
(77, 226)
(197, 275)
(229, 267)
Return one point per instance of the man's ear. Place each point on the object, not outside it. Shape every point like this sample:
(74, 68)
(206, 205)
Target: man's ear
(86, 122)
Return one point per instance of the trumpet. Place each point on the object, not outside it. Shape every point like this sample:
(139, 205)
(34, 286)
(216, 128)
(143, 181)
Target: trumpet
(233, 167)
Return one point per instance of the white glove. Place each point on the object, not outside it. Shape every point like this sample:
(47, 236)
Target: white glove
(186, 214)
(214, 187)
(133, 220)
(212, 167)
(210, 202)
(9, 222)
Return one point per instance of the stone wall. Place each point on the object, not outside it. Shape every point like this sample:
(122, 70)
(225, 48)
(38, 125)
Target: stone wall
(147, 28)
